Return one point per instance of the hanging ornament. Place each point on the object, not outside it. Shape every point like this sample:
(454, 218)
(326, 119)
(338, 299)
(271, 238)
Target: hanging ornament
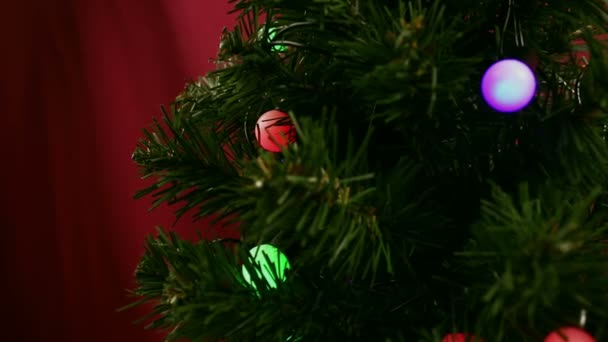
(274, 131)
(272, 34)
(508, 85)
(271, 262)
(569, 334)
(461, 337)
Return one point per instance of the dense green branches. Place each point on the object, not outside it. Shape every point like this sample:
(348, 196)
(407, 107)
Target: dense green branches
(402, 205)
(537, 259)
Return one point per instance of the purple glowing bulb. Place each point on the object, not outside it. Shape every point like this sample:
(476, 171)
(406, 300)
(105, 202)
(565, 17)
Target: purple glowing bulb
(508, 85)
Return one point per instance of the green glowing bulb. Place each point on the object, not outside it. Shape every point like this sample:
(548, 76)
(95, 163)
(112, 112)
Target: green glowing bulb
(272, 33)
(272, 263)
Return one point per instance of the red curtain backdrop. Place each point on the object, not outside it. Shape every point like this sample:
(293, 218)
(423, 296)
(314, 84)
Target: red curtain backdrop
(79, 81)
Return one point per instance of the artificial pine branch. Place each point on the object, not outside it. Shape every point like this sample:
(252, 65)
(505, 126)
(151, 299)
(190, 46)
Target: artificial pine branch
(401, 206)
(542, 257)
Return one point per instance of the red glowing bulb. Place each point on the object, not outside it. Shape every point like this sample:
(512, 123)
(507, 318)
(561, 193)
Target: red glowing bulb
(461, 337)
(274, 131)
(569, 334)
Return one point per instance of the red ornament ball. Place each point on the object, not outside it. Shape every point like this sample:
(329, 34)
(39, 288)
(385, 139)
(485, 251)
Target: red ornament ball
(569, 334)
(274, 130)
(461, 337)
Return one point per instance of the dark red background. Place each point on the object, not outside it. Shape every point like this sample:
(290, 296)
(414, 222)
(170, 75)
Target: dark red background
(79, 80)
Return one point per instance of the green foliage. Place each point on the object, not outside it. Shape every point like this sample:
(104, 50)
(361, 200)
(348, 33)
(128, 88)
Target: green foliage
(407, 207)
(528, 254)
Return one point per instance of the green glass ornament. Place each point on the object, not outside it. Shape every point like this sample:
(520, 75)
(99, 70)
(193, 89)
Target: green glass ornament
(272, 263)
(272, 33)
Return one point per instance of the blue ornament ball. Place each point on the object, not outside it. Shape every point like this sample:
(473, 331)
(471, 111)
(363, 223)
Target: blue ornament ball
(508, 85)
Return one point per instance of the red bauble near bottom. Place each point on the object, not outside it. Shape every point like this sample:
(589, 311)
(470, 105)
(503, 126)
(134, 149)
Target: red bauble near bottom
(569, 334)
(461, 337)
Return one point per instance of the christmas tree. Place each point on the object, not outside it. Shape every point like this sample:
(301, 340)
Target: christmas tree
(398, 171)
